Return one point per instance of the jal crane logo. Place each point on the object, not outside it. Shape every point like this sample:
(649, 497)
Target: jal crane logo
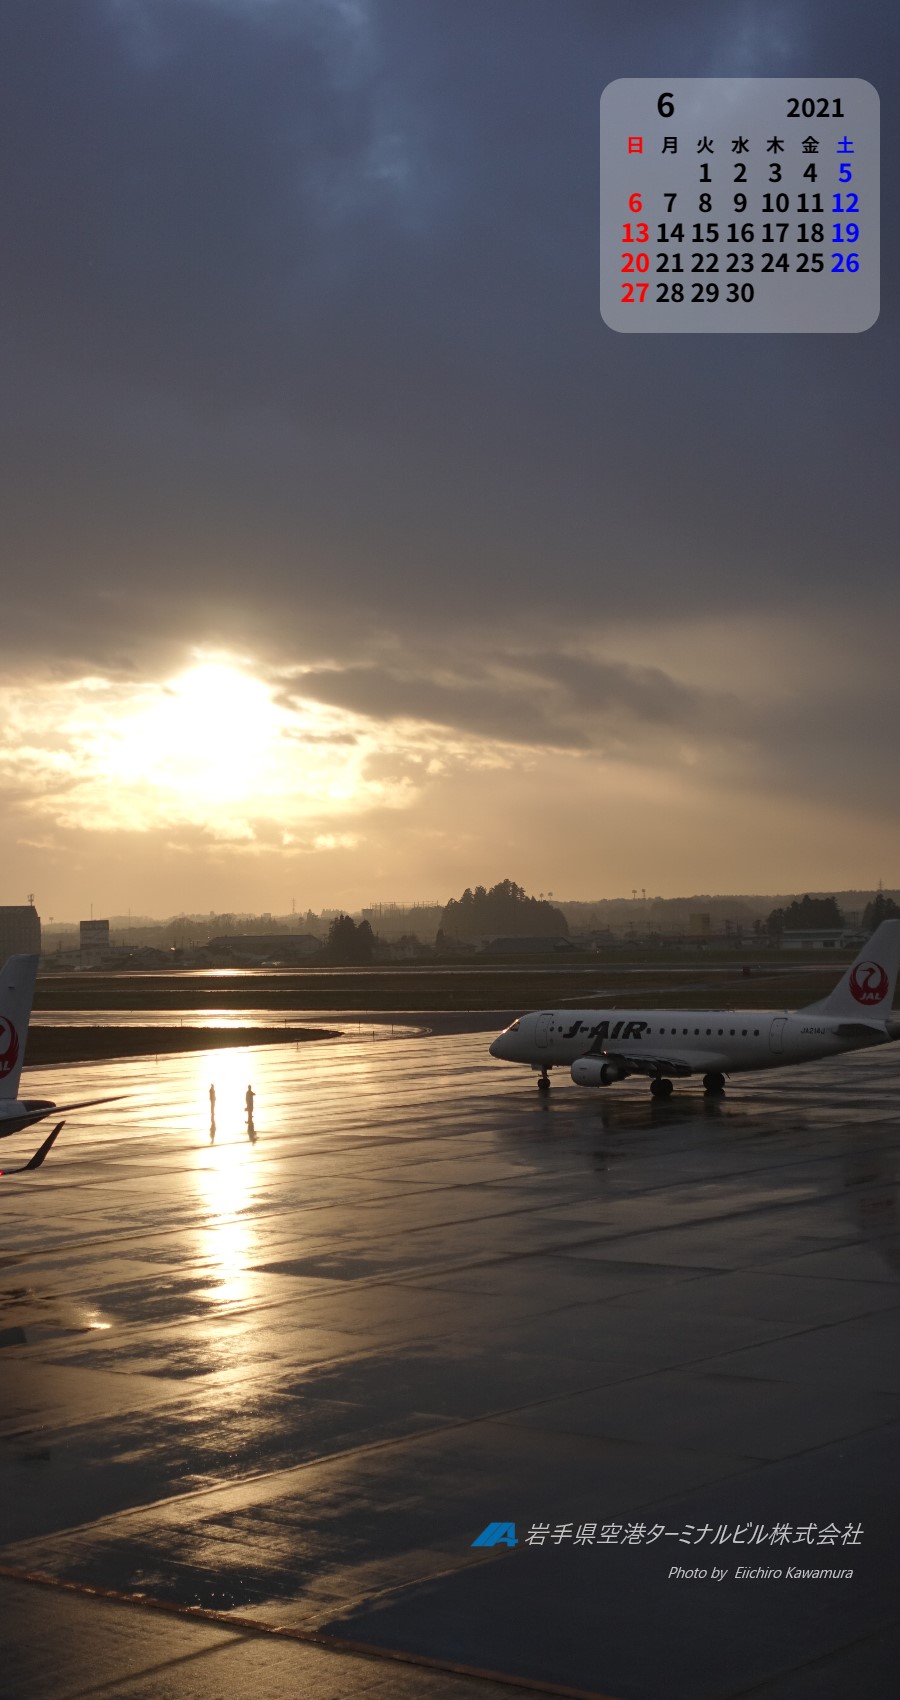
(9, 1046)
(868, 982)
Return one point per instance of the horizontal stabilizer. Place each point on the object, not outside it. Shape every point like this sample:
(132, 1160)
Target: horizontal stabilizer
(38, 1158)
(88, 1103)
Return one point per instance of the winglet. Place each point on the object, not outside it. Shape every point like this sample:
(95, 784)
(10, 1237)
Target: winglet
(38, 1158)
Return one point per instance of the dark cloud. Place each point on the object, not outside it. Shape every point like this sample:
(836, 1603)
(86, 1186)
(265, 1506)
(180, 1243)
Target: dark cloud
(303, 359)
(473, 705)
(302, 301)
(563, 701)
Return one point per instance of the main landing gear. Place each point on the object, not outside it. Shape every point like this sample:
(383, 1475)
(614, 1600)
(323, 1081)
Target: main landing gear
(661, 1088)
(544, 1081)
(714, 1083)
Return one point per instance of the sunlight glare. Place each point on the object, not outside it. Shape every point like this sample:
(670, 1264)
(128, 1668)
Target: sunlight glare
(222, 745)
(210, 735)
(227, 1176)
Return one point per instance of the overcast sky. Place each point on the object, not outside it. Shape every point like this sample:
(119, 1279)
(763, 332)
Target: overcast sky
(349, 556)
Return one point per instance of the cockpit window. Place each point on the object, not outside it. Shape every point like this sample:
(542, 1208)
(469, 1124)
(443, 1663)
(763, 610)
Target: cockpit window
(513, 1027)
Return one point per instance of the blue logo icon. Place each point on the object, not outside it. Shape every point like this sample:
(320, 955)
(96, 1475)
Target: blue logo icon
(497, 1534)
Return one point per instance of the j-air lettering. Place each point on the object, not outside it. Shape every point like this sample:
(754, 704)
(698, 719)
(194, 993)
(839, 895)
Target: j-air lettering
(607, 1030)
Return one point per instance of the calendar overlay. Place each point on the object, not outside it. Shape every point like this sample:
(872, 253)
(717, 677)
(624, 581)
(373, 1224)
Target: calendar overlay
(739, 204)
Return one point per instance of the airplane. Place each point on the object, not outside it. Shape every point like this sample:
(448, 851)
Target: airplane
(16, 996)
(602, 1046)
(38, 1158)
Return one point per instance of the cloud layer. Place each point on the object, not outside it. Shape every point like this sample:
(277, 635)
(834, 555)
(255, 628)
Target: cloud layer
(304, 366)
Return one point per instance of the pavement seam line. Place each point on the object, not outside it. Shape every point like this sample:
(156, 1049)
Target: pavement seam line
(328, 1643)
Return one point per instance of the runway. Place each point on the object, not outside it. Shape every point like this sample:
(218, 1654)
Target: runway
(280, 1386)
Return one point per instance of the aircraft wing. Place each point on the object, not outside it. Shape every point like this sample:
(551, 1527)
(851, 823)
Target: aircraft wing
(88, 1103)
(40, 1110)
(38, 1158)
(643, 1063)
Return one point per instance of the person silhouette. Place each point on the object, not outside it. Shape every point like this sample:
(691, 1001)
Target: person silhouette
(212, 1113)
(248, 1101)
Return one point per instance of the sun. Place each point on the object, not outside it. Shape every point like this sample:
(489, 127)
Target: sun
(223, 744)
(211, 734)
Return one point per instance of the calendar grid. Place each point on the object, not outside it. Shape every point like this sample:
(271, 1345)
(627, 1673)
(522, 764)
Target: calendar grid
(739, 204)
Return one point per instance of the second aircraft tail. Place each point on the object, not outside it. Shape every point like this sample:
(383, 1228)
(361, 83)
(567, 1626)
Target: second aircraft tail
(867, 988)
(16, 995)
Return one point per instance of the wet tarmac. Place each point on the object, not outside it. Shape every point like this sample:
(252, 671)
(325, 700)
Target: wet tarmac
(260, 1394)
(351, 1022)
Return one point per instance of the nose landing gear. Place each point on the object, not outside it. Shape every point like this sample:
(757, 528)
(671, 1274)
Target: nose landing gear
(543, 1084)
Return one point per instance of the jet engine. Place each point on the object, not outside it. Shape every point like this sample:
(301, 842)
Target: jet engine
(594, 1071)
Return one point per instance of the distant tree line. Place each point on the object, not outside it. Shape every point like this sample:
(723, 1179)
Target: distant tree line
(504, 910)
(880, 909)
(349, 944)
(823, 912)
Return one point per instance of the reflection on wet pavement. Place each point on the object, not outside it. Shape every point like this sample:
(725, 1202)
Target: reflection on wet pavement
(292, 1377)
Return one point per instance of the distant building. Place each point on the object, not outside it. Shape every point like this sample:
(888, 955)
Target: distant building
(93, 935)
(20, 930)
(821, 938)
(93, 939)
(539, 945)
(256, 948)
(700, 925)
(404, 949)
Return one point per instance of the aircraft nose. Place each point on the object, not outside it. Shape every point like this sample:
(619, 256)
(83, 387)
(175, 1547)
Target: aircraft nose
(494, 1048)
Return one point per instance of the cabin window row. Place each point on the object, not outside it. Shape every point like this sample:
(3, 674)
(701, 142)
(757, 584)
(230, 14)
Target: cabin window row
(721, 1032)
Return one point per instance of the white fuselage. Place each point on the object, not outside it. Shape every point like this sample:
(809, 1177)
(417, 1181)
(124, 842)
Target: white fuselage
(699, 1041)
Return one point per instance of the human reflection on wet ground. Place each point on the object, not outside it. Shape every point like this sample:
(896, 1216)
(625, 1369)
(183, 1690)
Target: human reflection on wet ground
(290, 1378)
